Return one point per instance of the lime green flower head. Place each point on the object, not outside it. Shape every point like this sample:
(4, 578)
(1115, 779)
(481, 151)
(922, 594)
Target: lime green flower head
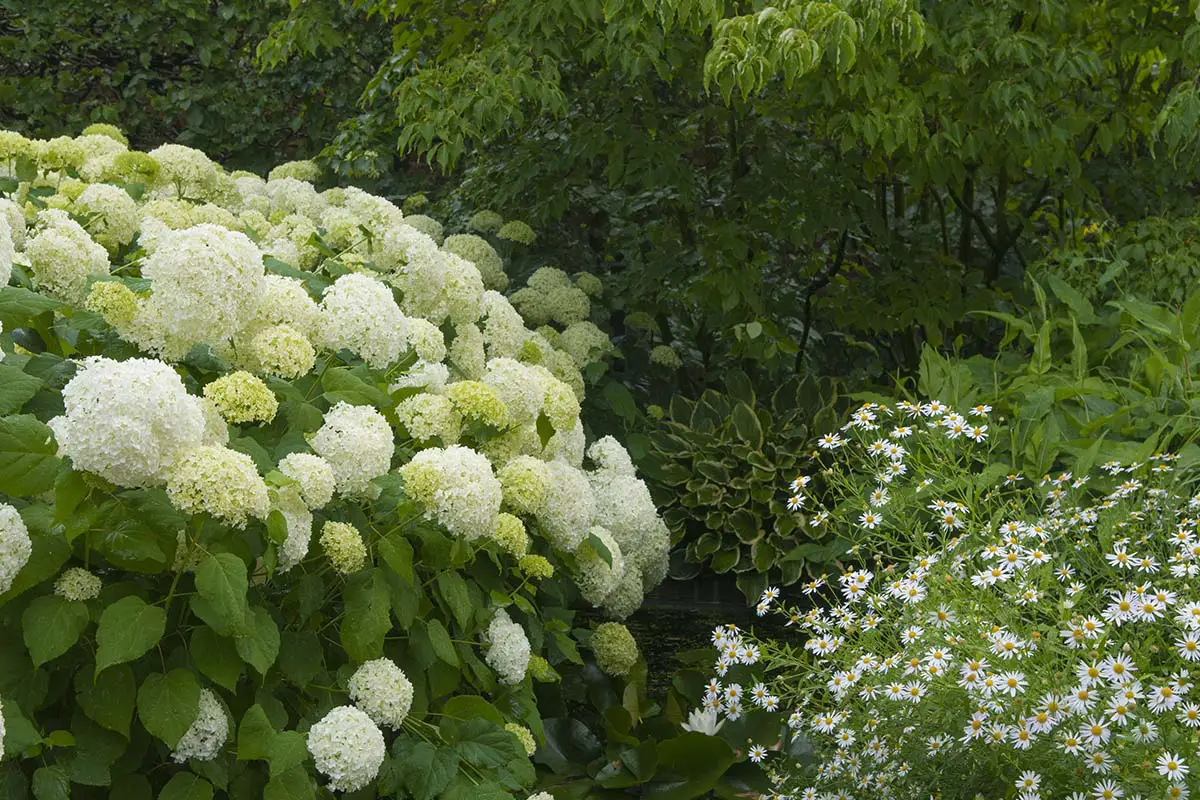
(344, 547)
(241, 397)
(478, 402)
(510, 535)
(516, 231)
(104, 129)
(536, 567)
(114, 301)
(615, 649)
(485, 221)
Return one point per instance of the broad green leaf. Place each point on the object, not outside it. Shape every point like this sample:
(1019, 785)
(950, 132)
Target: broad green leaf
(186, 786)
(620, 400)
(128, 629)
(1079, 354)
(20, 306)
(397, 553)
(109, 698)
(439, 639)
(747, 425)
(482, 743)
(51, 783)
(51, 626)
(688, 766)
(15, 389)
(260, 646)
(300, 656)
(28, 464)
(461, 788)
(96, 749)
(295, 784)
(426, 769)
(453, 590)
(288, 750)
(167, 704)
(367, 619)
(470, 706)
(255, 735)
(221, 580)
(217, 657)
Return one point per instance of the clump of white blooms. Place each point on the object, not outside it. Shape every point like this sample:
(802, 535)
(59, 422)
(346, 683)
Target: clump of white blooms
(485, 258)
(347, 747)
(77, 584)
(382, 691)
(206, 736)
(357, 443)
(313, 474)
(15, 546)
(127, 421)
(358, 313)
(508, 648)
(344, 547)
(615, 648)
(62, 256)
(457, 487)
(7, 249)
(220, 481)
(241, 397)
(112, 215)
(1013, 638)
(2, 730)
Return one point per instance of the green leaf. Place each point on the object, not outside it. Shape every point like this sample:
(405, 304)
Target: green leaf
(16, 388)
(216, 657)
(439, 639)
(255, 735)
(341, 385)
(462, 788)
(397, 553)
(747, 425)
(95, 751)
(288, 750)
(109, 698)
(167, 704)
(51, 783)
(186, 786)
(426, 769)
(128, 629)
(28, 464)
(260, 646)
(1079, 354)
(688, 766)
(1041, 351)
(51, 626)
(131, 545)
(470, 706)
(367, 619)
(620, 400)
(295, 784)
(300, 656)
(453, 590)
(221, 580)
(481, 742)
(19, 306)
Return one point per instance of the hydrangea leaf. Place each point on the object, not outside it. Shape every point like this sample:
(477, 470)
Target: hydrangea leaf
(167, 704)
(51, 626)
(28, 464)
(295, 784)
(222, 581)
(260, 646)
(128, 629)
(15, 388)
(109, 698)
(186, 786)
(216, 657)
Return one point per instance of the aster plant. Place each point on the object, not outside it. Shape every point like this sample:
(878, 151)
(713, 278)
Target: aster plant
(292, 500)
(989, 634)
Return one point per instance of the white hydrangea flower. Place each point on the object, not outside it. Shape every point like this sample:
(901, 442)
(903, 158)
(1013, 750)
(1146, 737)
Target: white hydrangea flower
(597, 577)
(7, 250)
(426, 339)
(347, 747)
(377, 214)
(285, 301)
(382, 691)
(15, 549)
(299, 527)
(1, 730)
(128, 421)
(519, 386)
(357, 442)
(504, 331)
(185, 172)
(509, 652)
(442, 287)
(610, 455)
(77, 584)
(427, 416)
(570, 507)
(457, 487)
(206, 282)
(315, 476)
(292, 196)
(220, 481)
(466, 353)
(566, 446)
(206, 736)
(406, 248)
(113, 214)
(430, 377)
(358, 313)
(625, 508)
(62, 256)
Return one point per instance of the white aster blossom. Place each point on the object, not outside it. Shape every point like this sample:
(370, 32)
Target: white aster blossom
(357, 443)
(457, 487)
(508, 653)
(127, 421)
(382, 691)
(206, 736)
(315, 476)
(15, 549)
(358, 313)
(347, 747)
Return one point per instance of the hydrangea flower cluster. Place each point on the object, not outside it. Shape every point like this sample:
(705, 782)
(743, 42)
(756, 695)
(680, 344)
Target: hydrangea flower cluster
(1013, 638)
(382, 691)
(508, 648)
(347, 747)
(206, 736)
(15, 545)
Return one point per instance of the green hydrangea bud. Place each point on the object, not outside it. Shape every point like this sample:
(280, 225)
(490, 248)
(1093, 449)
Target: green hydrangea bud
(114, 301)
(104, 129)
(665, 356)
(414, 203)
(241, 397)
(536, 567)
(615, 649)
(300, 170)
(284, 351)
(510, 535)
(525, 481)
(524, 735)
(478, 402)
(485, 221)
(343, 546)
(541, 671)
(589, 284)
(517, 231)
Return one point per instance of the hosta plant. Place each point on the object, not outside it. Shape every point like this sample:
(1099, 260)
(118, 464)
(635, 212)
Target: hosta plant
(290, 503)
(988, 635)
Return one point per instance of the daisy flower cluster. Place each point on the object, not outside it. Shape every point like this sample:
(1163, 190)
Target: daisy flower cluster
(988, 636)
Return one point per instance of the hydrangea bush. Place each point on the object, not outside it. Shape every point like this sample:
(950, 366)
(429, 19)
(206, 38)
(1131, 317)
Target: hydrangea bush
(990, 634)
(292, 501)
